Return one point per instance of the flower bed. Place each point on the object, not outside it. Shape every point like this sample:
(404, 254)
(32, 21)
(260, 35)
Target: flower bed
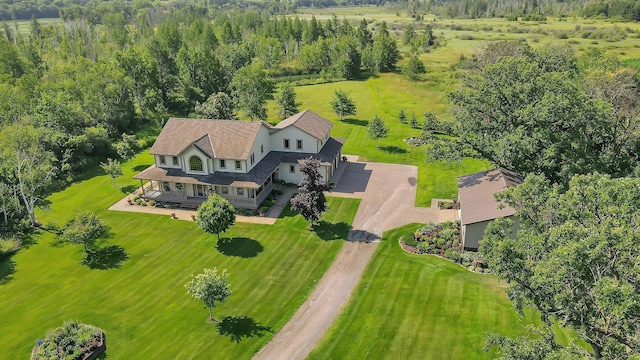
(442, 240)
(72, 341)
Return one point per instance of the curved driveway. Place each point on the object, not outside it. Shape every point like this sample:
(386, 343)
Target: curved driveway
(388, 193)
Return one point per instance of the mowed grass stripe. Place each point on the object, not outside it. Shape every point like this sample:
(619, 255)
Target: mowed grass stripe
(142, 305)
(419, 307)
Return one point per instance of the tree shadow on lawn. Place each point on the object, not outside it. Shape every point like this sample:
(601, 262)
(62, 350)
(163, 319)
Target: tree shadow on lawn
(105, 258)
(328, 231)
(357, 122)
(7, 268)
(393, 149)
(240, 327)
(141, 167)
(287, 212)
(240, 246)
(128, 189)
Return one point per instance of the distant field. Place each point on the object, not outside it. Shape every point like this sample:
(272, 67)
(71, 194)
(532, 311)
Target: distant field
(23, 25)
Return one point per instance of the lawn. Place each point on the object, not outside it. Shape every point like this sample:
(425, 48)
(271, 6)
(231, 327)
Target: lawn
(139, 299)
(419, 307)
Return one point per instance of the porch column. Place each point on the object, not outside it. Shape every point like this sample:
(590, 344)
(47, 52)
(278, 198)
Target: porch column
(142, 186)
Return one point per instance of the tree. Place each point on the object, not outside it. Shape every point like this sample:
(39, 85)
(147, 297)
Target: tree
(286, 101)
(215, 215)
(363, 34)
(408, 35)
(29, 166)
(402, 117)
(413, 68)
(112, 168)
(574, 258)
(414, 122)
(84, 229)
(218, 107)
(127, 148)
(342, 104)
(210, 288)
(310, 200)
(377, 130)
(252, 88)
(383, 55)
(526, 110)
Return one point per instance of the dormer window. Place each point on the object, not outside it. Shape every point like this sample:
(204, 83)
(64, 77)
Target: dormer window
(162, 160)
(195, 163)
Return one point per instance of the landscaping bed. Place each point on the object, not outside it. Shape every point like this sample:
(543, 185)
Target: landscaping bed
(442, 240)
(72, 341)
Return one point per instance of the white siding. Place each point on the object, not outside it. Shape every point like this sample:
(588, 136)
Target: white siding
(309, 143)
(168, 162)
(285, 174)
(261, 139)
(193, 151)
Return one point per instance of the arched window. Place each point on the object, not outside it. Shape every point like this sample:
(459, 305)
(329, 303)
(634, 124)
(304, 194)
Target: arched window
(195, 164)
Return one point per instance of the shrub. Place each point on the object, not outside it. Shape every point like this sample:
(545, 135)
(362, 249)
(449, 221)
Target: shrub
(263, 209)
(409, 239)
(151, 203)
(143, 203)
(9, 246)
(136, 198)
(71, 341)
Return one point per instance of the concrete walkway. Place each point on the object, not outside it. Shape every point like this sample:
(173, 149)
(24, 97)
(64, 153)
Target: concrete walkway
(183, 214)
(387, 194)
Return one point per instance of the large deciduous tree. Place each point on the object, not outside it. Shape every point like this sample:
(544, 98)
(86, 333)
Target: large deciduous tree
(215, 215)
(535, 110)
(218, 106)
(342, 104)
(27, 164)
(251, 88)
(575, 259)
(310, 201)
(286, 101)
(210, 288)
(377, 129)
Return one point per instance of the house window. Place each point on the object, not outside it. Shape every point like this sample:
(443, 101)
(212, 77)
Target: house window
(286, 143)
(225, 190)
(165, 186)
(175, 160)
(240, 191)
(238, 165)
(261, 149)
(299, 144)
(223, 164)
(253, 158)
(162, 160)
(292, 168)
(179, 186)
(195, 163)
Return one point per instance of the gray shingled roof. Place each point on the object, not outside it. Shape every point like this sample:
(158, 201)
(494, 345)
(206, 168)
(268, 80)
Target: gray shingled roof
(227, 139)
(253, 179)
(475, 193)
(309, 122)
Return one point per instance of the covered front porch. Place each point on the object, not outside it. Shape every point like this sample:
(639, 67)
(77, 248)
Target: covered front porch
(190, 192)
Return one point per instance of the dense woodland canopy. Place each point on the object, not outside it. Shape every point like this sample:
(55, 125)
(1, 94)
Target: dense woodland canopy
(95, 10)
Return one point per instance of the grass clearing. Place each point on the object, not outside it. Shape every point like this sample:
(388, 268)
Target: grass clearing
(419, 307)
(140, 300)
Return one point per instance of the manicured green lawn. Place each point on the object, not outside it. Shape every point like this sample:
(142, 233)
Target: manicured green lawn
(141, 302)
(418, 307)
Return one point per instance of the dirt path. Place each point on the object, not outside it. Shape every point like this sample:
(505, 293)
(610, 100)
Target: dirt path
(387, 193)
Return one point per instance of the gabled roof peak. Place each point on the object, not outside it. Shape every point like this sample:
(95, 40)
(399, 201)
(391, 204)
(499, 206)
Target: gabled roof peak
(309, 122)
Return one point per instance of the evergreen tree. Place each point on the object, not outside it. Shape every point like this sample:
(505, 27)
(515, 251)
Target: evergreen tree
(414, 121)
(377, 129)
(413, 68)
(402, 117)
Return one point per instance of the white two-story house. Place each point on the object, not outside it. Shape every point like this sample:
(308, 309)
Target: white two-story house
(238, 160)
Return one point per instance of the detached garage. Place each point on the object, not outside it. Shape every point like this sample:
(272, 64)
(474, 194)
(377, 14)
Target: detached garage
(478, 205)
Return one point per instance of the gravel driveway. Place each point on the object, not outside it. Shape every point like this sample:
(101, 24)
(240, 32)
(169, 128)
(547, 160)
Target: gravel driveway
(388, 193)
